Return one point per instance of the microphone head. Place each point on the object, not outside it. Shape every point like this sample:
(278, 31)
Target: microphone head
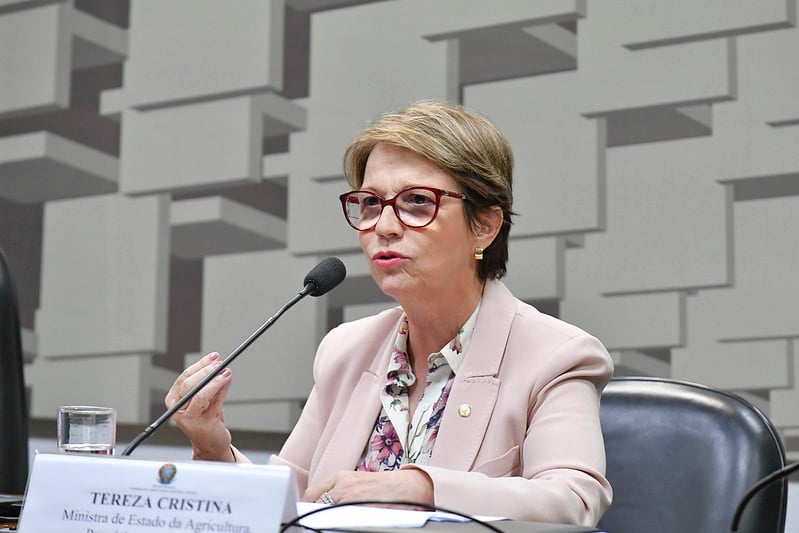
(325, 276)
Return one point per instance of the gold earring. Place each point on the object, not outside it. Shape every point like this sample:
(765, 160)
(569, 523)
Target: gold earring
(478, 253)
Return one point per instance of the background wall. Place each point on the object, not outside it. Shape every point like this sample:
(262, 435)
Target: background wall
(169, 173)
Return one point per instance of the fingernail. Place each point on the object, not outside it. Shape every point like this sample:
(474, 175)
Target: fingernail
(214, 356)
(225, 373)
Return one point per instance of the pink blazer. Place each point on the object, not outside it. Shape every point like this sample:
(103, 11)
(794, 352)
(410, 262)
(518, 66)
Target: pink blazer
(531, 446)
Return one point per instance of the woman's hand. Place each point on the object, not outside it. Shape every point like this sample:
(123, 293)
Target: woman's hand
(409, 485)
(202, 419)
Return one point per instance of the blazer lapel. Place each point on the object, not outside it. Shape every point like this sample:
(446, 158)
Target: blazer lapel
(474, 392)
(355, 425)
(358, 419)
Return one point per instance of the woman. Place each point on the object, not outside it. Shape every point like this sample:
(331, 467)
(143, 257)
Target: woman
(464, 396)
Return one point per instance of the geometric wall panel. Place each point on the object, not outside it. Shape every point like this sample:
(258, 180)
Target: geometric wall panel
(39, 167)
(644, 322)
(129, 379)
(535, 268)
(168, 173)
(37, 82)
(771, 75)
(55, 57)
(215, 225)
(684, 74)
(217, 142)
(240, 292)
(747, 325)
(766, 254)
(178, 53)
(553, 194)
(658, 123)
(784, 400)
(41, 46)
(686, 20)
(104, 277)
(643, 248)
(528, 50)
(755, 365)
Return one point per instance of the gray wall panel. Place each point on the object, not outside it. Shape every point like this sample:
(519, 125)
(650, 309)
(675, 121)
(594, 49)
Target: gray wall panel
(175, 171)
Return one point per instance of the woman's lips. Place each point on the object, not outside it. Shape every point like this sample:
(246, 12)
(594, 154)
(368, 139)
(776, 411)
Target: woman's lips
(386, 259)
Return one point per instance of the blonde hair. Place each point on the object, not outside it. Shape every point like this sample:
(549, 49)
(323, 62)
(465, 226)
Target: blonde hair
(465, 145)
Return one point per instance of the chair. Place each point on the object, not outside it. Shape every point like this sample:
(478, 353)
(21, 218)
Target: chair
(13, 410)
(680, 456)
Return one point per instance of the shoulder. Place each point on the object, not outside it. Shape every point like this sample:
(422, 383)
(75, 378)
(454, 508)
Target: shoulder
(550, 345)
(358, 343)
(567, 348)
(522, 319)
(530, 321)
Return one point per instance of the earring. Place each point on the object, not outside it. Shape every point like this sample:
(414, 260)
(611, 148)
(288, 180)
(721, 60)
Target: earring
(478, 253)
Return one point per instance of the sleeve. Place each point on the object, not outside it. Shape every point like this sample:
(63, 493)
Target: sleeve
(561, 475)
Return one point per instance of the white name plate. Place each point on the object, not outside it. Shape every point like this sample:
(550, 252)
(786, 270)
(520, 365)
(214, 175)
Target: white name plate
(70, 493)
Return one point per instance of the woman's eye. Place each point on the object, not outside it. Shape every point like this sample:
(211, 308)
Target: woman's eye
(419, 199)
(371, 201)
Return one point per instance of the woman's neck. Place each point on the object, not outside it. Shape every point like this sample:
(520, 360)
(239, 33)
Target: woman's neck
(434, 322)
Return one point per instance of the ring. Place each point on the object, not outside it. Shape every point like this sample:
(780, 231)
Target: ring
(327, 498)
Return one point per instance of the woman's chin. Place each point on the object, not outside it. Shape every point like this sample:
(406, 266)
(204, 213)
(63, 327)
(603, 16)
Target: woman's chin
(393, 287)
(390, 290)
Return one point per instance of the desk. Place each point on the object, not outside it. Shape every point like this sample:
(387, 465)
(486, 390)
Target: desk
(507, 526)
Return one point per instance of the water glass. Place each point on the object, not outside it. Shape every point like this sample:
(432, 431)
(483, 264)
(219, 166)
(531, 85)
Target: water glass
(87, 429)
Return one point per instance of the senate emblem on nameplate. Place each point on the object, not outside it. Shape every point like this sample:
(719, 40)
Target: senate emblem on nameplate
(167, 473)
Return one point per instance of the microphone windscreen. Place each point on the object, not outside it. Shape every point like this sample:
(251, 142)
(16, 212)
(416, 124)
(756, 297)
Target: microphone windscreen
(325, 276)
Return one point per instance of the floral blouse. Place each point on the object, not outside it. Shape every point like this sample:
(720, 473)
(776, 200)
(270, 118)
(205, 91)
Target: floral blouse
(397, 440)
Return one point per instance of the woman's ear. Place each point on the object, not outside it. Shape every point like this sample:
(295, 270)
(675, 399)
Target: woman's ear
(488, 227)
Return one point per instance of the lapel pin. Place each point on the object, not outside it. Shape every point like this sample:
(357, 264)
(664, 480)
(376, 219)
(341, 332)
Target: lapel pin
(465, 410)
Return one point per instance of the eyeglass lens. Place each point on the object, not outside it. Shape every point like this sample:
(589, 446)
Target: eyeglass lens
(414, 207)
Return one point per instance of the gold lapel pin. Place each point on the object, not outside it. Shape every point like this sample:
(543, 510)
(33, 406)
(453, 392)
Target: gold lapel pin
(465, 410)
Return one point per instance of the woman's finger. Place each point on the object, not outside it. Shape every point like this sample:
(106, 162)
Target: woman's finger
(204, 361)
(204, 397)
(190, 377)
(209, 399)
(314, 492)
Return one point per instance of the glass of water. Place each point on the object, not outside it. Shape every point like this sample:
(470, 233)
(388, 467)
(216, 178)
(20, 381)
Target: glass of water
(87, 429)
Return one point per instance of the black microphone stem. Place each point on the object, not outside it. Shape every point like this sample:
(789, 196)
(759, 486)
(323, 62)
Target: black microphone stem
(141, 437)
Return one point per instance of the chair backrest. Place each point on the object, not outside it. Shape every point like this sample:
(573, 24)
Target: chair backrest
(681, 455)
(13, 409)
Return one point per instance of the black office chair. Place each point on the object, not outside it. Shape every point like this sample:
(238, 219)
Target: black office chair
(13, 409)
(681, 456)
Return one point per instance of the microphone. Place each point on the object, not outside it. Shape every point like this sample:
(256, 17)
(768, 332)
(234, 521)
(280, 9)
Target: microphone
(325, 276)
(321, 279)
(757, 487)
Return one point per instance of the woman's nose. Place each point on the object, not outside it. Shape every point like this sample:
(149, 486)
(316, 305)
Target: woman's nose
(388, 223)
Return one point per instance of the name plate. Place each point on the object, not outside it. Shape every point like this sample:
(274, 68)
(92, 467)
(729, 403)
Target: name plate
(71, 493)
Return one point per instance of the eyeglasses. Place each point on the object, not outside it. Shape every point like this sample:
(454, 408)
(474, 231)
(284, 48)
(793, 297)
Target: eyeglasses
(415, 207)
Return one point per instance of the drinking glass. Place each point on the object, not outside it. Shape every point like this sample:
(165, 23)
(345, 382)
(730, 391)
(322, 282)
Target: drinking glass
(87, 429)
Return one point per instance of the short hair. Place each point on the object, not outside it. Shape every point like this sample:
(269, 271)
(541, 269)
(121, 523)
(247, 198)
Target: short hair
(465, 145)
